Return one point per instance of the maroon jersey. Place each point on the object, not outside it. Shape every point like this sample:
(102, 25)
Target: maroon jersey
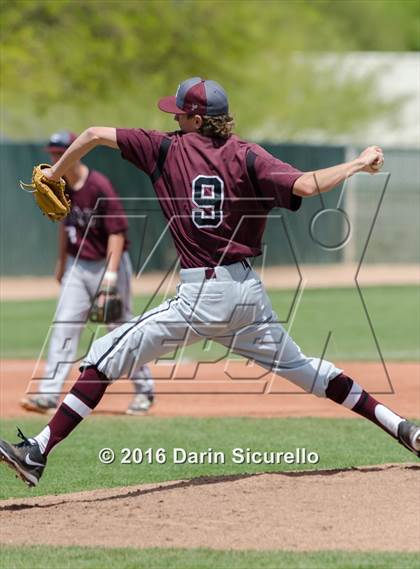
(103, 216)
(215, 193)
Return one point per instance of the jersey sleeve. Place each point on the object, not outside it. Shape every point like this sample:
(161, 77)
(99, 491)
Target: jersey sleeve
(140, 147)
(114, 220)
(274, 179)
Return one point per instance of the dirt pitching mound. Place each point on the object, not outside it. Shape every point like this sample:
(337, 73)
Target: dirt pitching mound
(365, 509)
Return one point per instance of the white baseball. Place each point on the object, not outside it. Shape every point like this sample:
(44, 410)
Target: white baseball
(377, 165)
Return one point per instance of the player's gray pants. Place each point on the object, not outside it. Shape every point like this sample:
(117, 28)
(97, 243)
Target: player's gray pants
(79, 286)
(233, 309)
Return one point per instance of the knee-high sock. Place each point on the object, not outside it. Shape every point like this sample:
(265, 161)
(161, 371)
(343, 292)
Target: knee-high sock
(345, 391)
(78, 404)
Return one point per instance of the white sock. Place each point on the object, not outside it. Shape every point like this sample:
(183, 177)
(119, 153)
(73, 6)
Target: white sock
(42, 439)
(388, 419)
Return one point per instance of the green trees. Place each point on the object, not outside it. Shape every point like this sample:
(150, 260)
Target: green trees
(73, 64)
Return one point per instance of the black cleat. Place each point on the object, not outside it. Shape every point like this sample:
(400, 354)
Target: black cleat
(24, 458)
(409, 436)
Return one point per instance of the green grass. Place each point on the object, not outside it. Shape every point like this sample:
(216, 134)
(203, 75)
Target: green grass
(39, 557)
(74, 465)
(394, 312)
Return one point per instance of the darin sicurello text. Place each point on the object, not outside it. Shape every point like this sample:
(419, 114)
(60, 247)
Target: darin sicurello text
(241, 455)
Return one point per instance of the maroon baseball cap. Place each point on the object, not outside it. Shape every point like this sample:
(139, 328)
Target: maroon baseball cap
(196, 96)
(59, 141)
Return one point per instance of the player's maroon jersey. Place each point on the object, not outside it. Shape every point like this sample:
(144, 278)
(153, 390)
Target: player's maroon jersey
(215, 203)
(91, 206)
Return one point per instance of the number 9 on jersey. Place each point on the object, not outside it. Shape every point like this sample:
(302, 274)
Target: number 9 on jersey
(207, 196)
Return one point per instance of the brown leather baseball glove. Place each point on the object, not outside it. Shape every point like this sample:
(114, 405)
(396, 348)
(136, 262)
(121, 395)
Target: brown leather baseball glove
(49, 194)
(107, 306)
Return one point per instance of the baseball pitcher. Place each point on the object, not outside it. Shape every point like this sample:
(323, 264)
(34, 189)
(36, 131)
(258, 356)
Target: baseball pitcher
(215, 191)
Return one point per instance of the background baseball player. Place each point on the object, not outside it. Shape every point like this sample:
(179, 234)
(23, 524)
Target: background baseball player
(88, 261)
(220, 189)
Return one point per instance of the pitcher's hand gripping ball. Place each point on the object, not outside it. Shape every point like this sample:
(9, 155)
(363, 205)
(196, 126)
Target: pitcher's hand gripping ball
(107, 306)
(49, 194)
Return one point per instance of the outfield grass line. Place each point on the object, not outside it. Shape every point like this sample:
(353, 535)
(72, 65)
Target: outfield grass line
(394, 312)
(39, 557)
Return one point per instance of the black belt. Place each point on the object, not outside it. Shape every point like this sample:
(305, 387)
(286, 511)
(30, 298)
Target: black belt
(210, 273)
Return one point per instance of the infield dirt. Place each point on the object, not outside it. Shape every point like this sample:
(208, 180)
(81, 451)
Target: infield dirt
(284, 276)
(208, 391)
(301, 511)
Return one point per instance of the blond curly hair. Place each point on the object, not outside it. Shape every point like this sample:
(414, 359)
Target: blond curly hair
(220, 126)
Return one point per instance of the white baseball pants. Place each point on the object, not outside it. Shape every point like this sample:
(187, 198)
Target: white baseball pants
(233, 308)
(79, 286)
